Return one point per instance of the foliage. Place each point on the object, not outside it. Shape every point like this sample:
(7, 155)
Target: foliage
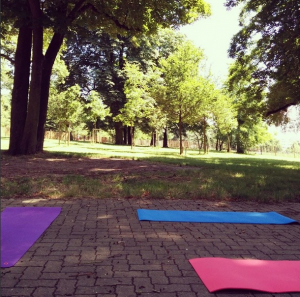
(6, 90)
(224, 113)
(252, 134)
(269, 45)
(177, 97)
(95, 109)
(249, 101)
(66, 108)
(96, 61)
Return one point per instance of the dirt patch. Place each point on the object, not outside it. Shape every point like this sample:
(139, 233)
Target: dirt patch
(45, 165)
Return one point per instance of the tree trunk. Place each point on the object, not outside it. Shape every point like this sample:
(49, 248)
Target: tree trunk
(20, 89)
(131, 136)
(29, 140)
(125, 135)
(204, 137)
(221, 145)
(119, 133)
(165, 140)
(180, 134)
(239, 146)
(49, 59)
(153, 139)
(228, 144)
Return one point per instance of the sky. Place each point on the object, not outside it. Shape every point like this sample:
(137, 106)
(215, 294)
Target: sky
(213, 34)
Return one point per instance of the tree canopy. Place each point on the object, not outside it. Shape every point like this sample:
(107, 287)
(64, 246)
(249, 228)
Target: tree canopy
(268, 44)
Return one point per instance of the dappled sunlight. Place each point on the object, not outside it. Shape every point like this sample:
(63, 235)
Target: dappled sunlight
(291, 166)
(237, 174)
(220, 204)
(111, 171)
(55, 160)
(104, 217)
(251, 262)
(104, 169)
(34, 200)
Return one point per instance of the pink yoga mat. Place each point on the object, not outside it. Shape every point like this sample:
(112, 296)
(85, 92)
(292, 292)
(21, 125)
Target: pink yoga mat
(267, 276)
(20, 228)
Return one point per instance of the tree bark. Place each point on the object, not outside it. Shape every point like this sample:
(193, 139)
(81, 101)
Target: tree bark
(129, 133)
(205, 140)
(239, 146)
(228, 144)
(165, 140)
(49, 60)
(221, 145)
(20, 89)
(29, 140)
(131, 136)
(180, 134)
(125, 135)
(153, 139)
(118, 133)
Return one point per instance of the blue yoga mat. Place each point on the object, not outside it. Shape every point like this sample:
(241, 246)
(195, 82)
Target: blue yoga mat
(213, 217)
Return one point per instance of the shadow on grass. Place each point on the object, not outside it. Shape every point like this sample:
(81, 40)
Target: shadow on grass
(217, 176)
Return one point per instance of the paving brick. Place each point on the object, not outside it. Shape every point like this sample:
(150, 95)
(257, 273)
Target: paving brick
(95, 290)
(10, 292)
(54, 275)
(9, 282)
(32, 273)
(66, 287)
(158, 277)
(53, 266)
(43, 292)
(125, 291)
(143, 284)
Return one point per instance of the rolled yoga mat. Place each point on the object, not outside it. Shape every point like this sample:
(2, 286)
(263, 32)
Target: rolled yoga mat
(213, 217)
(20, 228)
(249, 274)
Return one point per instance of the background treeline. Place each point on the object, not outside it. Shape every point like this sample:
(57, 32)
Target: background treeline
(138, 80)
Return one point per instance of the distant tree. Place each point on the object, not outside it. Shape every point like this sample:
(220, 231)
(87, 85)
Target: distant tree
(249, 101)
(66, 109)
(224, 116)
(177, 97)
(95, 109)
(96, 62)
(139, 104)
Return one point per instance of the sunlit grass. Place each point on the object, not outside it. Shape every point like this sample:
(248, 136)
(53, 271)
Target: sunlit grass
(216, 176)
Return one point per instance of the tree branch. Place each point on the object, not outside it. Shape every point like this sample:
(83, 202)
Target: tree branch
(119, 25)
(8, 58)
(76, 10)
(284, 107)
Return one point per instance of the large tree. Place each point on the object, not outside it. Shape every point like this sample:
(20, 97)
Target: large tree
(120, 16)
(250, 103)
(268, 44)
(178, 97)
(96, 62)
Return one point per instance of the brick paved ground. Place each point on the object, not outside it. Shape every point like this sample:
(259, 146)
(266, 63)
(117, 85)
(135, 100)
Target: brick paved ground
(100, 248)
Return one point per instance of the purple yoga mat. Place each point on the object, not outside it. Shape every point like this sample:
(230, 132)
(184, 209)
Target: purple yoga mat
(20, 228)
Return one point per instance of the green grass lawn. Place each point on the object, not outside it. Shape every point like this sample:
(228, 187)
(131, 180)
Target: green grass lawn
(216, 176)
